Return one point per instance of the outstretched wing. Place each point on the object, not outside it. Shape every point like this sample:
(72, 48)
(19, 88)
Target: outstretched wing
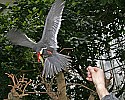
(19, 38)
(55, 64)
(52, 25)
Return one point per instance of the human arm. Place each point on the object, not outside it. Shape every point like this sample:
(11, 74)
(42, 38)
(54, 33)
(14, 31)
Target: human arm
(96, 75)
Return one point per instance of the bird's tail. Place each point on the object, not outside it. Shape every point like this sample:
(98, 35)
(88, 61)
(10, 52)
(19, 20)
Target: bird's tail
(55, 64)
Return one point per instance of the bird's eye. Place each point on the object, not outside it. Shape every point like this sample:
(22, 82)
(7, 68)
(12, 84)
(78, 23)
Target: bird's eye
(41, 51)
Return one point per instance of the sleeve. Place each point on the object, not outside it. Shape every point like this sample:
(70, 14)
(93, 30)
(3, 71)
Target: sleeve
(109, 97)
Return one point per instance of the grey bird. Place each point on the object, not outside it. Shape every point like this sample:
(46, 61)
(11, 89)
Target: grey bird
(54, 61)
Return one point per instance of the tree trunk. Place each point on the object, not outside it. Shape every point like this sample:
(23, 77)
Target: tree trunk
(61, 86)
(13, 96)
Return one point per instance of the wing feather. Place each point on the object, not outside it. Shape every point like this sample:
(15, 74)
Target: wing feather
(55, 64)
(52, 25)
(19, 38)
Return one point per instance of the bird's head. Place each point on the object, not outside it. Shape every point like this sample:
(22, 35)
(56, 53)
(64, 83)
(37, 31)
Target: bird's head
(39, 53)
(43, 52)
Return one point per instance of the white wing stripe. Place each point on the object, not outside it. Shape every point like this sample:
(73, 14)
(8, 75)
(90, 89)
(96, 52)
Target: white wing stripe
(52, 25)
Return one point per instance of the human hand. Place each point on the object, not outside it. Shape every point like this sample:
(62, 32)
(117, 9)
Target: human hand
(96, 75)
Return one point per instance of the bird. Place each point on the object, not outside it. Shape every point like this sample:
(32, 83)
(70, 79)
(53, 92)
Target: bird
(47, 46)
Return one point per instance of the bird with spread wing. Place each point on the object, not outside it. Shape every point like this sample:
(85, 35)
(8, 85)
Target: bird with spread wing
(47, 46)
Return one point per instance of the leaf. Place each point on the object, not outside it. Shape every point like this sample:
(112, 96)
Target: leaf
(103, 2)
(110, 1)
(7, 3)
(8, 48)
(119, 3)
(29, 11)
(34, 8)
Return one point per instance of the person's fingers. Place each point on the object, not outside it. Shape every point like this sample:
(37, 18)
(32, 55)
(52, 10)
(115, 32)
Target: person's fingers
(88, 68)
(96, 69)
(89, 74)
(89, 79)
(91, 69)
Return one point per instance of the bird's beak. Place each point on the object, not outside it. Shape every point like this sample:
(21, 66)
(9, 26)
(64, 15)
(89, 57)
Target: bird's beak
(38, 56)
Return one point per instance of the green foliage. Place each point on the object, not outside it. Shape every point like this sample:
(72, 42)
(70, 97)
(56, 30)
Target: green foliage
(117, 2)
(88, 27)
